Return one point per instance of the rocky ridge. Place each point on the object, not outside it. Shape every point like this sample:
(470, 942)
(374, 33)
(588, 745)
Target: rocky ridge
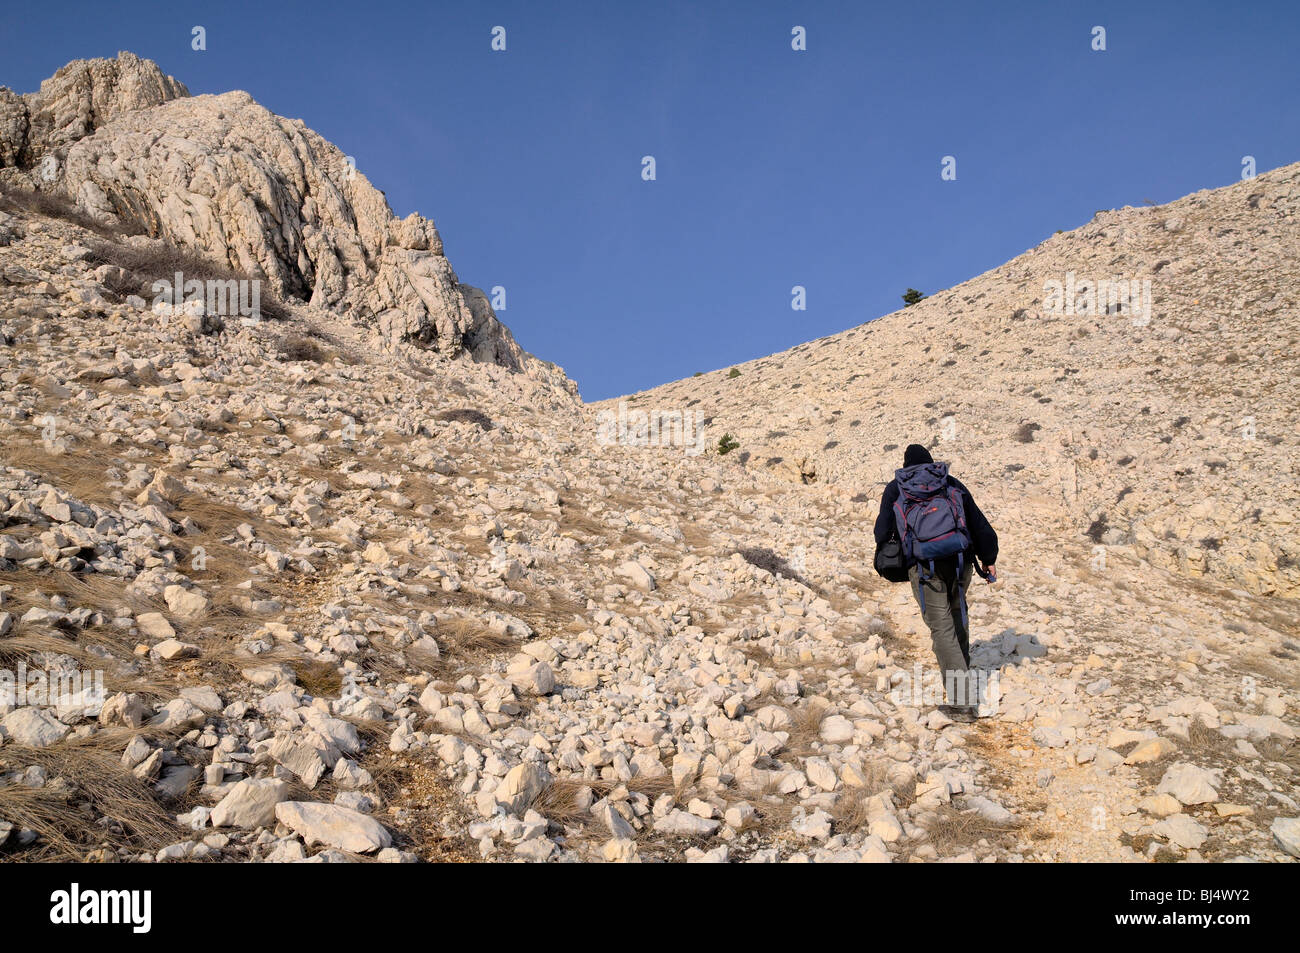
(224, 177)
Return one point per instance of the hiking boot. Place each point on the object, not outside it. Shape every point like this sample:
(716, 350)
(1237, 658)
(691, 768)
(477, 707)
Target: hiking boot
(963, 714)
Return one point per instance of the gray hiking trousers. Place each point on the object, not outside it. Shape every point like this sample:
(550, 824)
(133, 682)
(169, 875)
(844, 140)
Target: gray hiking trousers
(942, 612)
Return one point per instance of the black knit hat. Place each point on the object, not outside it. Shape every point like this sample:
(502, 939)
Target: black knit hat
(914, 454)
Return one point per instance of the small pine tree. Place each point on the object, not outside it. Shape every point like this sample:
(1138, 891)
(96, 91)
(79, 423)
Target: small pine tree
(912, 296)
(727, 444)
(733, 373)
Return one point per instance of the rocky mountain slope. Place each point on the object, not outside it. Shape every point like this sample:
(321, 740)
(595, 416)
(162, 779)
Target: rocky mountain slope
(351, 597)
(1167, 427)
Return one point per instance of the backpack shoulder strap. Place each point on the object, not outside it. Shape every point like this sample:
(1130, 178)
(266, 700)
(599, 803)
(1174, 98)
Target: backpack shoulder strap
(900, 527)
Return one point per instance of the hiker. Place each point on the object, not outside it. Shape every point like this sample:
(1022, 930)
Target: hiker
(932, 530)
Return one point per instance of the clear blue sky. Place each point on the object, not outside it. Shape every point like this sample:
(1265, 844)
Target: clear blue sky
(775, 168)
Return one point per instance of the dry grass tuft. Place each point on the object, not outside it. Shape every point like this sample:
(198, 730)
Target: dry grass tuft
(758, 654)
(218, 519)
(950, 830)
(466, 415)
(151, 262)
(27, 642)
(299, 348)
(574, 520)
(79, 473)
(805, 728)
(558, 802)
(1204, 738)
(550, 610)
(98, 786)
(318, 679)
(773, 812)
(469, 640)
(56, 205)
(850, 812)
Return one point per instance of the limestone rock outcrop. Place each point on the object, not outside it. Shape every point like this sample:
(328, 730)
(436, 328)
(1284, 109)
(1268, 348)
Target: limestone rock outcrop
(265, 195)
(78, 99)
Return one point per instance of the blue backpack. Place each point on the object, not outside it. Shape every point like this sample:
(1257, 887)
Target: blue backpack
(931, 520)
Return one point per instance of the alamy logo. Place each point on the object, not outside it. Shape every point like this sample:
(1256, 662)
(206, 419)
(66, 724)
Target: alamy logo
(1099, 296)
(228, 298)
(654, 428)
(929, 687)
(49, 687)
(77, 906)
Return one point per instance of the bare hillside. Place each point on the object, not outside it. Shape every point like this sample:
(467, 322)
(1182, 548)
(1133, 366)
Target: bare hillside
(1168, 426)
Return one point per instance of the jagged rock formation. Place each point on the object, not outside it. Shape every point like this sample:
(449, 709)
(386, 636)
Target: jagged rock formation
(1173, 434)
(227, 178)
(74, 102)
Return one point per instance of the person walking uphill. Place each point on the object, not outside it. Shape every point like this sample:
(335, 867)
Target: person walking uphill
(930, 529)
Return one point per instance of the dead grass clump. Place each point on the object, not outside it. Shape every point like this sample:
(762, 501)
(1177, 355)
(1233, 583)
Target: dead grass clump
(148, 263)
(299, 348)
(875, 774)
(425, 662)
(696, 535)
(805, 728)
(318, 679)
(217, 519)
(773, 813)
(97, 590)
(880, 627)
(384, 664)
(746, 599)
(950, 830)
(1282, 750)
(29, 642)
(651, 787)
(56, 205)
(97, 786)
(550, 610)
(466, 415)
(1025, 432)
(851, 811)
(470, 640)
(1202, 737)
(559, 802)
(573, 519)
(80, 473)
(904, 792)
(422, 491)
(327, 471)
